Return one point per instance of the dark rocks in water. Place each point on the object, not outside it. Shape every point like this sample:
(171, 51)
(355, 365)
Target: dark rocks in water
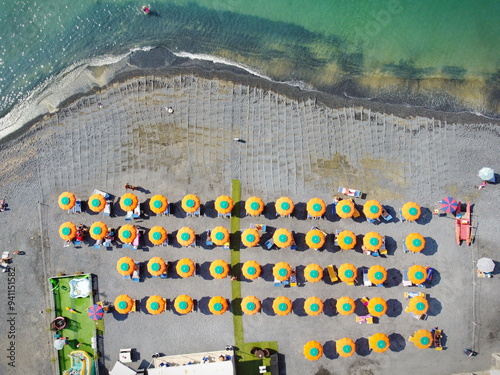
(158, 57)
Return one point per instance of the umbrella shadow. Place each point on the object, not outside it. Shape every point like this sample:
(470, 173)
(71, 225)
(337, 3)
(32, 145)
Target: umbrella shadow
(329, 307)
(360, 309)
(435, 306)
(203, 305)
(176, 210)
(235, 306)
(394, 278)
(398, 342)
(238, 209)
(267, 306)
(391, 211)
(298, 307)
(299, 272)
(202, 241)
(436, 279)
(390, 245)
(141, 305)
(496, 271)
(267, 272)
(362, 347)
(300, 211)
(119, 317)
(425, 216)
(431, 246)
(173, 240)
(204, 271)
(394, 308)
(300, 241)
(210, 210)
(270, 211)
(116, 210)
(329, 350)
(146, 209)
(330, 213)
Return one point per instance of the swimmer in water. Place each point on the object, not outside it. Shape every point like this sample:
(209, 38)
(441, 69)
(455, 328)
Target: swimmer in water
(145, 9)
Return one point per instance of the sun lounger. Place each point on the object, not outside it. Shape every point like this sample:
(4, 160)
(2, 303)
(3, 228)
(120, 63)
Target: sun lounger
(126, 276)
(107, 208)
(373, 221)
(208, 241)
(97, 244)
(418, 317)
(137, 272)
(277, 282)
(350, 192)
(137, 239)
(332, 273)
(366, 279)
(259, 227)
(405, 248)
(413, 294)
(386, 215)
(438, 335)
(103, 193)
(366, 319)
(226, 246)
(355, 212)
(383, 248)
(136, 214)
(406, 280)
(401, 216)
(293, 278)
(336, 240)
(126, 245)
(164, 275)
(129, 215)
(77, 243)
(365, 301)
(269, 244)
(77, 208)
(286, 282)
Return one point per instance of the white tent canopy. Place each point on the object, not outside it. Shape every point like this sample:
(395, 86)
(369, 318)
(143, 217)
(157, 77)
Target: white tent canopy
(120, 369)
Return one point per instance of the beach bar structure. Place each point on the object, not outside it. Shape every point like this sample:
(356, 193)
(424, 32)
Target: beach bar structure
(218, 362)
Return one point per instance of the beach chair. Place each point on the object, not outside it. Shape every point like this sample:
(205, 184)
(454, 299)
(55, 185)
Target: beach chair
(259, 227)
(137, 240)
(373, 221)
(364, 319)
(403, 219)
(67, 243)
(406, 280)
(136, 214)
(103, 193)
(107, 243)
(350, 192)
(437, 335)
(107, 208)
(97, 244)
(77, 208)
(336, 239)
(129, 215)
(164, 275)
(226, 246)
(208, 241)
(365, 301)
(195, 242)
(383, 248)
(277, 282)
(286, 282)
(332, 273)
(366, 280)
(293, 245)
(137, 272)
(126, 276)
(405, 248)
(269, 244)
(77, 243)
(293, 277)
(413, 294)
(386, 215)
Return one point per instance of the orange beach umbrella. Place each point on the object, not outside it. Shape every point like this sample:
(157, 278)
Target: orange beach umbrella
(218, 305)
(313, 350)
(284, 206)
(183, 304)
(372, 241)
(157, 235)
(190, 203)
(418, 305)
(422, 339)
(346, 240)
(345, 208)
(66, 200)
(411, 211)
(316, 207)
(67, 231)
(158, 204)
(250, 305)
(219, 269)
(345, 305)
(313, 273)
(417, 274)
(251, 269)
(415, 242)
(124, 304)
(379, 342)
(348, 273)
(377, 274)
(313, 306)
(250, 237)
(185, 236)
(282, 238)
(224, 204)
(125, 266)
(98, 230)
(282, 271)
(128, 202)
(97, 202)
(372, 209)
(127, 233)
(282, 305)
(377, 306)
(220, 235)
(156, 266)
(156, 305)
(185, 267)
(315, 239)
(345, 347)
(254, 206)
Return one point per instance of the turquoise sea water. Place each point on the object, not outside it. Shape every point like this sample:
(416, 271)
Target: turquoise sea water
(419, 52)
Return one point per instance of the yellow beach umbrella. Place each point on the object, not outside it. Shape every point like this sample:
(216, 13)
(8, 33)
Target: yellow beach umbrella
(316, 207)
(377, 274)
(372, 209)
(128, 202)
(127, 233)
(251, 269)
(185, 267)
(219, 269)
(67, 231)
(422, 339)
(345, 208)
(124, 304)
(418, 305)
(183, 304)
(348, 273)
(224, 204)
(345, 347)
(282, 305)
(346, 240)
(218, 305)
(379, 342)
(345, 305)
(284, 206)
(411, 211)
(156, 266)
(156, 305)
(97, 202)
(220, 235)
(185, 236)
(254, 206)
(158, 204)
(250, 237)
(415, 242)
(313, 350)
(377, 306)
(372, 241)
(282, 271)
(315, 239)
(313, 273)
(417, 274)
(157, 235)
(98, 230)
(313, 306)
(125, 266)
(190, 203)
(282, 237)
(250, 305)
(66, 200)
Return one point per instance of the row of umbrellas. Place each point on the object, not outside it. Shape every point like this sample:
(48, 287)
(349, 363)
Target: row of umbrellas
(155, 304)
(250, 237)
(254, 206)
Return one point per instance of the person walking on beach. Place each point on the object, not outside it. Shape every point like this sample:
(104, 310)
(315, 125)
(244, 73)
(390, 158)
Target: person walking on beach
(133, 188)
